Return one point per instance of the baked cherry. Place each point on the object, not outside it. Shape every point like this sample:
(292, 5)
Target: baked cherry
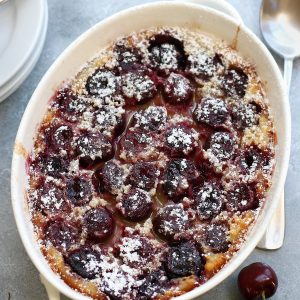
(245, 115)
(85, 262)
(235, 82)
(154, 118)
(166, 53)
(78, 190)
(143, 175)
(50, 198)
(217, 237)
(136, 205)
(128, 57)
(183, 260)
(177, 89)
(203, 66)
(179, 174)
(92, 147)
(71, 106)
(180, 140)
(241, 197)
(170, 220)
(99, 223)
(118, 281)
(62, 96)
(112, 177)
(54, 165)
(137, 88)
(211, 111)
(59, 137)
(257, 281)
(102, 83)
(138, 145)
(62, 234)
(209, 200)
(155, 283)
(110, 120)
(136, 251)
(221, 146)
(253, 159)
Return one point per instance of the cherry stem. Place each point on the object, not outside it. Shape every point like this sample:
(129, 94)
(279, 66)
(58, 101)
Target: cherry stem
(263, 296)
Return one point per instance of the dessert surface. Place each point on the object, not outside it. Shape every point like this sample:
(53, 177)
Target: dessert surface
(151, 166)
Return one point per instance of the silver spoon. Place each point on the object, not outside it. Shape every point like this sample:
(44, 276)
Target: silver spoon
(280, 27)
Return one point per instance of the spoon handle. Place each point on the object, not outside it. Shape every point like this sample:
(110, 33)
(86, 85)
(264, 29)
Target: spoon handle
(274, 235)
(52, 292)
(287, 74)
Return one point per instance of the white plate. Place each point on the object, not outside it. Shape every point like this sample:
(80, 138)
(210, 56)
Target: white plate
(11, 85)
(21, 24)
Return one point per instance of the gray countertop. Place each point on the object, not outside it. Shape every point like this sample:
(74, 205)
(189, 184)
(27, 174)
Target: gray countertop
(67, 20)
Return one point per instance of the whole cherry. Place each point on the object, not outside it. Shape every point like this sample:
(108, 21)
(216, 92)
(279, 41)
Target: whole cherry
(257, 281)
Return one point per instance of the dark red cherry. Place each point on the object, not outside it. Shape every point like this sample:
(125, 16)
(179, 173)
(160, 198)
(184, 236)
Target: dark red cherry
(118, 282)
(241, 197)
(102, 83)
(217, 237)
(137, 88)
(136, 251)
(85, 262)
(59, 137)
(110, 120)
(222, 145)
(62, 234)
(99, 223)
(235, 82)
(183, 260)
(180, 140)
(253, 159)
(50, 198)
(203, 66)
(137, 144)
(143, 175)
(257, 281)
(209, 200)
(153, 118)
(112, 177)
(245, 115)
(92, 147)
(170, 220)
(166, 53)
(128, 58)
(71, 106)
(62, 96)
(177, 89)
(179, 174)
(54, 165)
(211, 111)
(155, 284)
(136, 205)
(78, 191)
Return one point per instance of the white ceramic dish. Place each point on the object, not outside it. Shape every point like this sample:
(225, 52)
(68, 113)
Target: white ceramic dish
(23, 29)
(80, 51)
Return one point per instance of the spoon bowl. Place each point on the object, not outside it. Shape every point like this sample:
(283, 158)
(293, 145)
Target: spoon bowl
(280, 26)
